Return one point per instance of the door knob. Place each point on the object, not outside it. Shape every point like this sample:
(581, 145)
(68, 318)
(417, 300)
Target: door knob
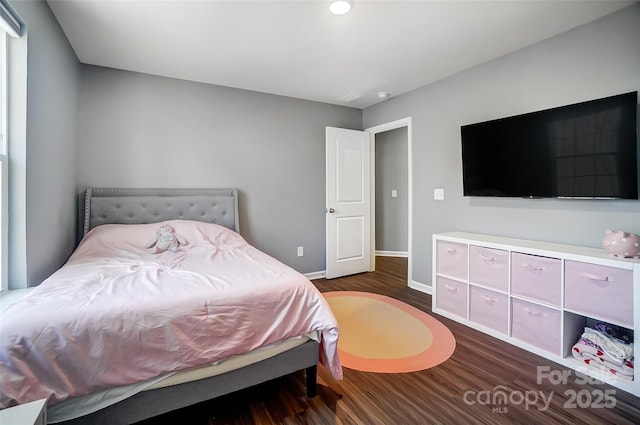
(329, 210)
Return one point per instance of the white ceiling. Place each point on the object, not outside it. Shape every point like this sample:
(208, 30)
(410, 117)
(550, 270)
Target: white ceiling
(298, 48)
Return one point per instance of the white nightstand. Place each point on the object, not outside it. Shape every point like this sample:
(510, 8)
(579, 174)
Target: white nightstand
(34, 413)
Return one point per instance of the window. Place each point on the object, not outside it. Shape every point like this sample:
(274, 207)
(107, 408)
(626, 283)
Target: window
(4, 192)
(10, 27)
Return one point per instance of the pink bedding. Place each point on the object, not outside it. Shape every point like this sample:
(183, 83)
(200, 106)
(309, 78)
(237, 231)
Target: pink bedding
(116, 313)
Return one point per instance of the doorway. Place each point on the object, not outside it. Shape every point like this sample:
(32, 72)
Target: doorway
(386, 134)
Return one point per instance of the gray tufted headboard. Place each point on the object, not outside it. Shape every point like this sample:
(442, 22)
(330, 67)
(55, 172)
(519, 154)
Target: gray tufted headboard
(138, 206)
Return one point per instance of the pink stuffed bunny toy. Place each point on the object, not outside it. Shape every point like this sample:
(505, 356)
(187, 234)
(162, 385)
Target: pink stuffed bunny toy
(166, 240)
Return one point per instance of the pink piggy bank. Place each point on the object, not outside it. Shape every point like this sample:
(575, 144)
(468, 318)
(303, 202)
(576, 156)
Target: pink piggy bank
(621, 244)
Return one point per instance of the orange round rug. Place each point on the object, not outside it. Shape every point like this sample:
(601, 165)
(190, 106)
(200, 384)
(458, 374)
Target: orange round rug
(382, 334)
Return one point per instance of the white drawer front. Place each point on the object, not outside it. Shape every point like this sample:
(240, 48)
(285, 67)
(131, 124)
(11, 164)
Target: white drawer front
(489, 308)
(600, 291)
(537, 325)
(489, 267)
(538, 278)
(451, 296)
(452, 259)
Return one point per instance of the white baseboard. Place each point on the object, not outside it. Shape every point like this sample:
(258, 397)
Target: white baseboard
(391, 254)
(422, 287)
(316, 275)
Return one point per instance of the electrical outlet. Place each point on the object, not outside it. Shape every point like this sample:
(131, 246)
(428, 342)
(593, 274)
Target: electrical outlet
(438, 194)
(394, 193)
(300, 251)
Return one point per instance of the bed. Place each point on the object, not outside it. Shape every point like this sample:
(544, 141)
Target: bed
(174, 305)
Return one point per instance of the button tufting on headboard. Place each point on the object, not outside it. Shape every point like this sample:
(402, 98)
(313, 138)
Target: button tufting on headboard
(135, 206)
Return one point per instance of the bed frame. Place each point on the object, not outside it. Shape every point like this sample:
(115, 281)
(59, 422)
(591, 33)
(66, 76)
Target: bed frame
(220, 206)
(139, 206)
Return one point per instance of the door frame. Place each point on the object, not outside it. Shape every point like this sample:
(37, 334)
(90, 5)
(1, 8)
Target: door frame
(403, 122)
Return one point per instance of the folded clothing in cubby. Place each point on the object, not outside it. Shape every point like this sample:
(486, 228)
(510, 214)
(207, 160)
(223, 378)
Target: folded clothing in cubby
(606, 347)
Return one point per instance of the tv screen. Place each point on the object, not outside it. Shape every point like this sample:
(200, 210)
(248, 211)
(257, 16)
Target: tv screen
(586, 150)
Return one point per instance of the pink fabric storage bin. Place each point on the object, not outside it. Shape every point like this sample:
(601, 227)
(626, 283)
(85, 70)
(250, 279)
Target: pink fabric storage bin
(599, 291)
(489, 308)
(451, 296)
(489, 267)
(452, 259)
(536, 278)
(536, 324)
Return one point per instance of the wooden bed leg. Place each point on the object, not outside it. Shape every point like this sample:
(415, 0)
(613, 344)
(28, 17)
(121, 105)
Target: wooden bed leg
(311, 373)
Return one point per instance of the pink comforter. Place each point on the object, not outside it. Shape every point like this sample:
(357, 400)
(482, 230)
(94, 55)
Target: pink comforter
(116, 313)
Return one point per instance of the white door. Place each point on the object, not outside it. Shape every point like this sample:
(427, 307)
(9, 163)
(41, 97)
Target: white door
(348, 205)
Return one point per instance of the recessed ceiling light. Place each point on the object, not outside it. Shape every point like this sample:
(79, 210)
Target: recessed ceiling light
(340, 7)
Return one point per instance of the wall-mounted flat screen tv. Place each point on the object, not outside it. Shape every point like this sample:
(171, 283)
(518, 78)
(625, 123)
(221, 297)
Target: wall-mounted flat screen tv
(586, 150)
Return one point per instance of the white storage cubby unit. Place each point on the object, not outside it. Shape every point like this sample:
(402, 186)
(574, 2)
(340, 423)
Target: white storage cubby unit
(536, 295)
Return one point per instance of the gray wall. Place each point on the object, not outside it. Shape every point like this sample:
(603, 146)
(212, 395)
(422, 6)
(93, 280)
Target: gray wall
(392, 173)
(596, 60)
(147, 131)
(127, 129)
(47, 169)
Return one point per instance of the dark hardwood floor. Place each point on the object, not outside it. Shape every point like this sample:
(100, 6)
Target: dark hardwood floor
(459, 391)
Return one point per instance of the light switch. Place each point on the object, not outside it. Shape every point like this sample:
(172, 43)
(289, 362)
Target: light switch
(394, 193)
(438, 194)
